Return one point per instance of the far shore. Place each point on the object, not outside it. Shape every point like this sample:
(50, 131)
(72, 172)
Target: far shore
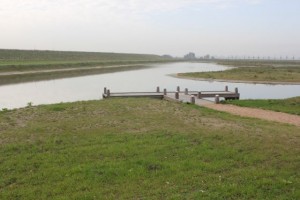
(235, 81)
(41, 75)
(65, 69)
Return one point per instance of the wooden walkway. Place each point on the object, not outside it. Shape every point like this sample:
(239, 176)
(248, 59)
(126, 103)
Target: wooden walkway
(187, 99)
(158, 95)
(194, 97)
(197, 98)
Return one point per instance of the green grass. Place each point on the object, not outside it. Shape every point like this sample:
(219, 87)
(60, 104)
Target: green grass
(261, 71)
(29, 77)
(22, 60)
(265, 74)
(84, 63)
(291, 105)
(260, 63)
(144, 149)
(36, 56)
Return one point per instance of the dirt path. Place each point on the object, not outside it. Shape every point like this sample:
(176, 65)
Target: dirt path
(257, 113)
(241, 111)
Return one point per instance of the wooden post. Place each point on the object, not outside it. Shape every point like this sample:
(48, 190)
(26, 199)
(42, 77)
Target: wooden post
(217, 99)
(157, 89)
(108, 93)
(193, 99)
(105, 90)
(178, 89)
(226, 88)
(165, 91)
(186, 91)
(199, 95)
(236, 90)
(176, 95)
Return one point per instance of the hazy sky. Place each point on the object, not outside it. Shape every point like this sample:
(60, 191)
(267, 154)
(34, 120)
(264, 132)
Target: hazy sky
(176, 27)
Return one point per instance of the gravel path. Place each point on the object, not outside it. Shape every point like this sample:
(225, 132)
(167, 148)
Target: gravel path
(242, 111)
(257, 113)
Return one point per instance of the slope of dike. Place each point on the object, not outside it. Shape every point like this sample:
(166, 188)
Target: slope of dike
(31, 65)
(99, 149)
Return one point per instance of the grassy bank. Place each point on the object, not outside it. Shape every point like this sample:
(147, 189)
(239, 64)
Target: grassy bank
(22, 60)
(144, 149)
(291, 105)
(45, 65)
(254, 71)
(260, 63)
(29, 77)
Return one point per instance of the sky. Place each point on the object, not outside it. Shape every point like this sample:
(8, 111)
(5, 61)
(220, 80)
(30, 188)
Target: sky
(220, 28)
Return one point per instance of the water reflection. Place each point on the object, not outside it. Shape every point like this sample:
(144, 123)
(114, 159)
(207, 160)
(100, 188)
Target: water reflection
(90, 87)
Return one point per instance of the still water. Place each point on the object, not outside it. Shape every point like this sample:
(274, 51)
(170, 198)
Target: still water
(147, 79)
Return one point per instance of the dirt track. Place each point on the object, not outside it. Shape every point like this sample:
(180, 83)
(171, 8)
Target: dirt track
(257, 113)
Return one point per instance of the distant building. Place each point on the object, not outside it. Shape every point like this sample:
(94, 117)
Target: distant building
(207, 57)
(167, 56)
(190, 56)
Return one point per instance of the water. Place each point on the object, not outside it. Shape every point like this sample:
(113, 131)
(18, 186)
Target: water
(91, 87)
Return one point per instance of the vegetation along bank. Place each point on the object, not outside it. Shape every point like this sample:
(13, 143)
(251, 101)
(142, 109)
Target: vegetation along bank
(31, 65)
(279, 72)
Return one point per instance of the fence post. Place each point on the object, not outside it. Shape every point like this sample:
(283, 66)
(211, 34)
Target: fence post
(186, 91)
(193, 99)
(217, 99)
(157, 89)
(108, 93)
(176, 95)
(165, 91)
(178, 89)
(236, 90)
(199, 95)
(226, 88)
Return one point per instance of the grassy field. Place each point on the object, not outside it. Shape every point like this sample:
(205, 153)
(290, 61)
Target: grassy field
(291, 105)
(256, 71)
(144, 149)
